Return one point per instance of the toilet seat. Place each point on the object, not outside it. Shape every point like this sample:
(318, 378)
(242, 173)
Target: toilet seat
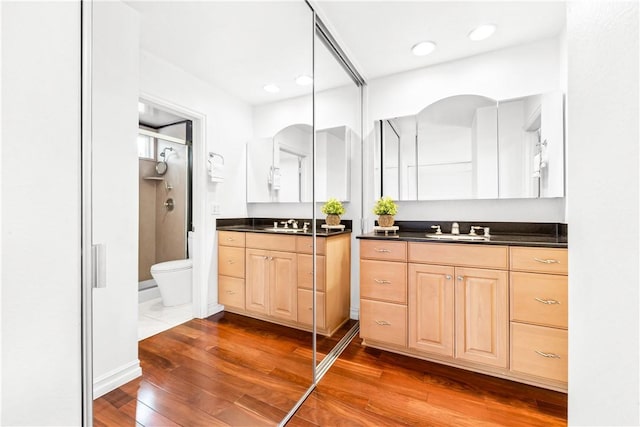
(177, 265)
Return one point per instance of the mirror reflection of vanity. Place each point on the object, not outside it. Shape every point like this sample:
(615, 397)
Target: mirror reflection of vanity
(279, 169)
(473, 147)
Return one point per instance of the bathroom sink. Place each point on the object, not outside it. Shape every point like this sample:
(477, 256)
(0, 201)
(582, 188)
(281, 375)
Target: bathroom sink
(463, 237)
(284, 230)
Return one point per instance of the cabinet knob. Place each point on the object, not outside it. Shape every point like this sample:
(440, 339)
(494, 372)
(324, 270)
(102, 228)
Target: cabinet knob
(547, 301)
(547, 355)
(547, 261)
(460, 278)
(383, 323)
(448, 277)
(265, 257)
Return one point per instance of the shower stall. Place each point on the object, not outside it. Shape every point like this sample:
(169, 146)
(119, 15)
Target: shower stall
(164, 179)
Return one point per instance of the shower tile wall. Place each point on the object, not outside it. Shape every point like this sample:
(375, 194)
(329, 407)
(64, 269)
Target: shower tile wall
(171, 239)
(147, 219)
(162, 234)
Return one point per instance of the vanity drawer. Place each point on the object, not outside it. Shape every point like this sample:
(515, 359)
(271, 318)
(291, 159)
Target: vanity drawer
(271, 242)
(231, 261)
(542, 260)
(231, 238)
(383, 250)
(304, 245)
(467, 255)
(383, 322)
(231, 291)
(305, 271)
(382, 280)
(539, 298)
(539, 351)
(305, 301)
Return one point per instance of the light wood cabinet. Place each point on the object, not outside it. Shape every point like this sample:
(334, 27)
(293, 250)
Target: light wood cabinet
(383, 322)
(482, 321)
(231, 269)
(539, 314)
(272, 278)
(431, 308)
(494, 309)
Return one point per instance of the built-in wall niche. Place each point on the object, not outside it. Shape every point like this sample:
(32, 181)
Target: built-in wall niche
(473, 147)
(280, 169)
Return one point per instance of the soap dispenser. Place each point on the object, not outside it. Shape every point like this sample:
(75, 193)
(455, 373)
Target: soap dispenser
(455, 228)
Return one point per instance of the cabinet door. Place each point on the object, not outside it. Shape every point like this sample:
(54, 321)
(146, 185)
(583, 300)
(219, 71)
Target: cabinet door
(481, 316)
(257, 284)
(431, 308)
(283, 286)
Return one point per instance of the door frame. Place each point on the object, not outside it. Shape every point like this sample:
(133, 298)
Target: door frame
(198, 196)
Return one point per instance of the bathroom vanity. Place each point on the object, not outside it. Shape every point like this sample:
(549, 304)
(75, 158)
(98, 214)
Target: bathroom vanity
(495, 306)
(268, 275)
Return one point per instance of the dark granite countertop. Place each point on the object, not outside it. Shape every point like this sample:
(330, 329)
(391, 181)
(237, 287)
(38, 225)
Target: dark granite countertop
(262, 225)
(553, 235)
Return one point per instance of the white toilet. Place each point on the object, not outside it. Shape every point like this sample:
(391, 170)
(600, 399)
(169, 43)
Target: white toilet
(174, 278)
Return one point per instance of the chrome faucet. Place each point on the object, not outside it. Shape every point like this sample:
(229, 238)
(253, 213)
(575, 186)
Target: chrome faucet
(437, 228)
(294, 222)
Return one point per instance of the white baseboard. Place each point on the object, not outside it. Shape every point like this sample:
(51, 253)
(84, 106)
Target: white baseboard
(354, 313)
(114, 379)
(214, 308)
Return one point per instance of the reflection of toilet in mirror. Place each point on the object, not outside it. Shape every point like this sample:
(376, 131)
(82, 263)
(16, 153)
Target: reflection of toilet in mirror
(174, 278)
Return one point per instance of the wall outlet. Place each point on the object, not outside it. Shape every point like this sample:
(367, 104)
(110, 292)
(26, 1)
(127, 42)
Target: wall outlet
(215, 209)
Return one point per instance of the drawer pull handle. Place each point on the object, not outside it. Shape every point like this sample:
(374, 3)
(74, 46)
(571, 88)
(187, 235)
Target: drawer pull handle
(383, 250)
(383, 323)
(382, 281)
(231, 239)
(231, 292)
(547, 261)
(547, 301)
(547, 355)
(230, 261)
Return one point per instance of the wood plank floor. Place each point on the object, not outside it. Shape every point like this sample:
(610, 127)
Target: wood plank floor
(369, 387)
(233, 370)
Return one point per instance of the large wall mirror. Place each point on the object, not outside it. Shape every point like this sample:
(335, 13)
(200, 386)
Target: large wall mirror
(280, 168)
(473, 147)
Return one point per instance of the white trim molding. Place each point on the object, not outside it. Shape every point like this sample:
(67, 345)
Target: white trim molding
(114, 379)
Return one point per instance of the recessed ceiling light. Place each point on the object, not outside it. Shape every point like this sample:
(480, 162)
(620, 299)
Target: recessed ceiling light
(271, 88)
(304, 80)
(423, 48)
(482, 32)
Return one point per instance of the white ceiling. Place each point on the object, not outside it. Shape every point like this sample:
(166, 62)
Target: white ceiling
(240, 46)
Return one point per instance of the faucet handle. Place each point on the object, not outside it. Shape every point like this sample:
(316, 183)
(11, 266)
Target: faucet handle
(472, 231)
(285, 223)
(486, 232)
(437, 228)
(295, 224)
(306, 226)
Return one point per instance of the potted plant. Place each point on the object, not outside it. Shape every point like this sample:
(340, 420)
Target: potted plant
(385, 208)
(333, 209)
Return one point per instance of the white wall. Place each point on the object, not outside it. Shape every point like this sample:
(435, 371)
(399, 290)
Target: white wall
(228, 127)
(603, 135)
(40, 213)
(503, 74)
(115, 193)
